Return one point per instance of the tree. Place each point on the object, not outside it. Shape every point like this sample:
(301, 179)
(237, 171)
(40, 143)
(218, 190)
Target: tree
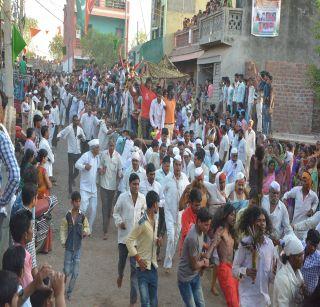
(102, 48)
(56, 47)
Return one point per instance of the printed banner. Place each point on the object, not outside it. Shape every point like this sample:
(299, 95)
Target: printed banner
(265, 18)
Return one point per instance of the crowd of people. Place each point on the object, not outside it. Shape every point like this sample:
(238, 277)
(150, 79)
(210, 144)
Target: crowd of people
(170, 167)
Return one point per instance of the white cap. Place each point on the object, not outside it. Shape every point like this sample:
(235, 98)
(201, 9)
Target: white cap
(35, 92)
(135, 156)
(213, 169)
(135, 149)
(177, 158)
(275, 186)
(198, 141)
(292, 245)
(234, 151)
(240, 176)
(211, 145)
(198, 172)
(94, 143)
(176, 151)
(187, 152)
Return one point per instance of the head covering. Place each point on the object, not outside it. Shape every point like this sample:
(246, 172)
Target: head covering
(35, 92)
(176, 151)
(275, 186)
(213, 169)
(46, 112)
(198, 142)
(94, 143)
(177, 158)
(198, 172)
(234, 151)
(307, 177)
(187, 152)
(135, 156)
(240, 176)
(292, 245)
(211, 145)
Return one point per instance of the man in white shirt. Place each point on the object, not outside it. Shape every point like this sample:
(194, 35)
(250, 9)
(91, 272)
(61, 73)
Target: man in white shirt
(277, 212)
(251, 99)
(163, 171)
(157, 111)
(250, 137)
(55, 113)
(188, 164)
(242, 148)
(127, 212)
(73, 134)
(198, 162)
(44, 144)
(110, 172)
(149, 183)
(173, 188)
(224, 146)
(212, 155)
(233, 166)
(88, 165)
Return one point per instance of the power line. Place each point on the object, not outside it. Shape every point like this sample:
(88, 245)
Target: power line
(48, 11)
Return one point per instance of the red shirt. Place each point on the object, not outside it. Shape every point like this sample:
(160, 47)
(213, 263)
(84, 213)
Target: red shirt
(187, 220)
(147, 97)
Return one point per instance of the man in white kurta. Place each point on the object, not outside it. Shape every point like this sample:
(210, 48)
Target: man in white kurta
(88, 165)
(157, 112)
(173, 188)
(233, 166)
(44, 144)
(250, 137)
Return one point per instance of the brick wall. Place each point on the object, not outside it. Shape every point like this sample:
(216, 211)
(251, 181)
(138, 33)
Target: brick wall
(294, 99)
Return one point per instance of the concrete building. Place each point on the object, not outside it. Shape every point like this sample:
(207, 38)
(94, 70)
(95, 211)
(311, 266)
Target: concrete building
(221, 45)
(107, 16)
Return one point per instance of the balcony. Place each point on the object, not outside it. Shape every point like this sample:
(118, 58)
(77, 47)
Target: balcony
(116, 4)
(221, 27)
(186, 37)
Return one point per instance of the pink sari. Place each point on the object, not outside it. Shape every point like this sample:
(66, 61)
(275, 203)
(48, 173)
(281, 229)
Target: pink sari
(267, 181)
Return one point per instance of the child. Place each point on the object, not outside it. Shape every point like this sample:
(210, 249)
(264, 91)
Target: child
(74, 227)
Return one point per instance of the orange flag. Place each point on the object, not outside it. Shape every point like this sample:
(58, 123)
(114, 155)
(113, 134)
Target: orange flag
(34, 32)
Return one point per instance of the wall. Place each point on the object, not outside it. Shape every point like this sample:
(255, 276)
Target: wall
(152, 51)
(188, 67)
(106, 25)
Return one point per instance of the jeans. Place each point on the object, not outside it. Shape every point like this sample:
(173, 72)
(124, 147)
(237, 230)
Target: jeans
(148, 287)
(266, 119)
(107, 201)
(123, 254)
(71, 267)
(73, 171)
(145, 127)
(191, 292)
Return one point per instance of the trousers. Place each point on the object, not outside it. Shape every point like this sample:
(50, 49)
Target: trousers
(259, 116)
(73, 171)
(148, 287)
(71, 267)
(89, 203)
(107, 202)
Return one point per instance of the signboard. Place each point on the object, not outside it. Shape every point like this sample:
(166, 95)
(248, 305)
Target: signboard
(265, 18)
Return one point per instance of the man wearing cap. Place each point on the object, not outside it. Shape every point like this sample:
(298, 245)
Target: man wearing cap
(157, 111)
(212, 173)
(250, 137)
(197, 144)
(88, 165)
(153, 148)
(212, 155)
(173, 188)
(233, 166)
(242, 148)
(277, 212)
(224, 146)
(306, 201)
(198, 162)
(188, 164)
(238, 196)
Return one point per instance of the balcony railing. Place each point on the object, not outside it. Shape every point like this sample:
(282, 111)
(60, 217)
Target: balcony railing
(187, 37)
(117, 4)
(220, 27)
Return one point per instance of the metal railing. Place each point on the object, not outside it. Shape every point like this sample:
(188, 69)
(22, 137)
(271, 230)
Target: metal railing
(117, 4)
(186, 37)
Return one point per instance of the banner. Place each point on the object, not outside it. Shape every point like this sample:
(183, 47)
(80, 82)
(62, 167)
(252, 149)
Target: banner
(18, 42)
(265, 18)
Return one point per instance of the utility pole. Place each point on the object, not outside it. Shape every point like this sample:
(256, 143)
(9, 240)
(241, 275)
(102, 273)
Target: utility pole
(9, 119)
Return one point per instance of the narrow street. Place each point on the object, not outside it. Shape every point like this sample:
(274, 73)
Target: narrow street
(96, 284)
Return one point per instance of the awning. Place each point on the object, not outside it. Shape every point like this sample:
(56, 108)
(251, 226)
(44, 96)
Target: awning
(210, 56)
(187, 57)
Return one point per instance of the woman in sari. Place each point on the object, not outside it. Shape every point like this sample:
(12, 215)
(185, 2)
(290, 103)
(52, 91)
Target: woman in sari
(269, 176)
(44, 183)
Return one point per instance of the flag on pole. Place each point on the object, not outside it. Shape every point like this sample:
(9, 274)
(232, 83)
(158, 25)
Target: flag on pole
(34, 32)
(89, 8)
(18, 42)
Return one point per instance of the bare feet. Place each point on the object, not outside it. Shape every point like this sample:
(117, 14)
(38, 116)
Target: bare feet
(119, 282)
(167, 270)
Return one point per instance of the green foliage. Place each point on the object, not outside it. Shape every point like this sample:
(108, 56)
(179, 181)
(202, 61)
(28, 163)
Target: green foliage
(102, 48)
(56, 47)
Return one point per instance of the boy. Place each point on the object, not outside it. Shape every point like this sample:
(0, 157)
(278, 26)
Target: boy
(74, 227)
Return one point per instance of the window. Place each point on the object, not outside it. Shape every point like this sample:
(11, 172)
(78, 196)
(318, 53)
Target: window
(96, 2)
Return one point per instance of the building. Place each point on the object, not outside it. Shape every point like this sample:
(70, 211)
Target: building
(107, 16)
(221, 44)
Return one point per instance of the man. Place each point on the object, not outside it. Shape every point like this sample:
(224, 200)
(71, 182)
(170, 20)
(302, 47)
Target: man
(233, 166)
(142, 244)
(154, 148)
(74, 135)
(30, 141)
(250, 137)
(164, 138)
(306, 201)
(157, 112)
(242, 148)
(198, 162)
(127, 212)
(88, 123)
(163, 171)
(37, 121)
(240, 93)
(212, 155)
(149, 183)
(173, 188)
(188, 164)
(224, 146)
(88, 165)
(192, 262)
(277, 212)
(311, 266)
(110, 172)
(212, 173)
(44, 144)
(55, 114)
(23, 66)
(267, 105)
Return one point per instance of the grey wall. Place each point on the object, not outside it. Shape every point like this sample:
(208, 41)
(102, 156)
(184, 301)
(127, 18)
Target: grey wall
(187, 6)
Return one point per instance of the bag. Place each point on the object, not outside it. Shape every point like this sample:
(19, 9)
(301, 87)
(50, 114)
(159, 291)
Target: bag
(121, 142)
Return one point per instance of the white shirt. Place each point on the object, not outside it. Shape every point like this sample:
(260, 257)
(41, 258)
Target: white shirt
(55, 115)
(251, 94)
(279, 217)
(224, 147)
(89, 123)
(44, 144)
(186, 168)
(157, 113)
(215, 195)
(25, 107)
(124, 183)
(72, 138)
(160, 176)
(192, 169)
(146, 187)
(259, 290)
(88, 179)
(302, 227)
(113, 169)
(211, 159)
(242, 151)
(231, 169)
(103, 136)
(125, 211)
(250, 137)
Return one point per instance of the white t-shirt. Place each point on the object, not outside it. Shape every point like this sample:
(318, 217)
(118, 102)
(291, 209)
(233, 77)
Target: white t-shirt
(224, 147)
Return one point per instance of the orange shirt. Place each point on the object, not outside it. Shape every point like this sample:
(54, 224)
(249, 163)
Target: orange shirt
(147, 97)
(170, 108)
(187, 220)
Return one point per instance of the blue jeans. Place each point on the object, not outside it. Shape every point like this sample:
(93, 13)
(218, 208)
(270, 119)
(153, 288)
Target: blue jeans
(266, 119)
(191, 292)
(148, 287)
(71, 267)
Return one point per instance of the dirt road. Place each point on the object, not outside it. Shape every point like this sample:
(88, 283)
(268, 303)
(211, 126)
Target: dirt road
(96, 285)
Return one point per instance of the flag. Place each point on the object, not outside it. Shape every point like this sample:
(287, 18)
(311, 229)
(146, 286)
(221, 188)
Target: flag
(89, 8)
(81, 7)
(34, 32)
(18, 42)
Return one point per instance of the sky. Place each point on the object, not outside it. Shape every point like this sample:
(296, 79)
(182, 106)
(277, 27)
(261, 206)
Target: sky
(46, 22)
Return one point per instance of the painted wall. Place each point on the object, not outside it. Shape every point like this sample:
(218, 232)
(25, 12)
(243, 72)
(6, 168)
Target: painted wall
(106, 25)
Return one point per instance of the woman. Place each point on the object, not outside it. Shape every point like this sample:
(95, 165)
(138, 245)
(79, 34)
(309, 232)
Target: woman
(44, 183)
(256, 170)
(27, 160)
(288, 284)
(269, 176)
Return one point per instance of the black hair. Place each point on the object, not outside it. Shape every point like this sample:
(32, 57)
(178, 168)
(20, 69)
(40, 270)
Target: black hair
(74, 117)
(200, 154)
(29, 132)
(195, 195)
(180, 143)
(150, 168)
(30, 175)
(19, 224)
(28, 193)
(313, 236)
(154, 143)
(224, 129)
(39, 297)
(203, 215)
(25, 159)
(166, 159)
(152, 197)
(290, 146)
(259, 153)
(75, 195)
(163, 145)
(133, 177)
(9, 284)
(42, 153)
(13, 260)
(37, 118)
(44, 129)
(165, 131)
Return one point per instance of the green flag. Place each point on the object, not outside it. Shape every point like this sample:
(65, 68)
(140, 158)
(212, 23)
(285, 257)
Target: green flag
(18, 42)
(81, 10)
